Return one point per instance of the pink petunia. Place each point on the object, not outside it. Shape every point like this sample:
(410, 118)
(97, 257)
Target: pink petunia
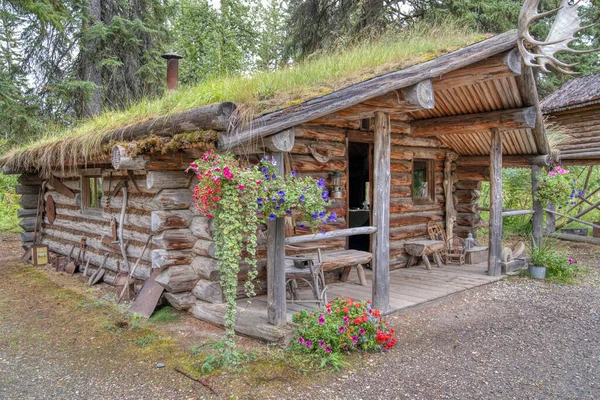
(327, 349)
(552, 173)
(321, 319)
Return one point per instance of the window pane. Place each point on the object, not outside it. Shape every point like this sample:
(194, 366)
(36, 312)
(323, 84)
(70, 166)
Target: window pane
(420, 184)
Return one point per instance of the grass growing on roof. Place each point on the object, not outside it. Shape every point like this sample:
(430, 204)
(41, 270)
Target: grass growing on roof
(260, 93)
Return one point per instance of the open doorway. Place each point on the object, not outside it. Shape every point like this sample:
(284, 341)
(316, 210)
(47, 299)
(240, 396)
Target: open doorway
(359, 193)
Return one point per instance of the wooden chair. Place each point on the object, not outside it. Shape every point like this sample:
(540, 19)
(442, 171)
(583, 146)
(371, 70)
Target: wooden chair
(436, 231)
(455, 250)
(312, 274)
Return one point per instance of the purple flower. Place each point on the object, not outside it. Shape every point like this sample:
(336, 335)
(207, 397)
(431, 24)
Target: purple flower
(346, 320)
(301, 225)
(264, 170)
(327, 349)
(294, 173)
(321, 319)
(329, 311)
(302, 197)
(362, 331)
(258, 211)
(267, 177)
(315, 215)
(281, 193)
(321, 183)
(281, 201)
(355, 339)
(272, 217)
(332, 217)
(300, 339)
(274, 176)
(322, 343)
(259, 200)
(323, 231)
(308, 343)
(342, 329)
(325, 195)
(288, 212)
(322, 214)
(277, 207)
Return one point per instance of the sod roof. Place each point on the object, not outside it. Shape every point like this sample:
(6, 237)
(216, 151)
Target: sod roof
(259, 94)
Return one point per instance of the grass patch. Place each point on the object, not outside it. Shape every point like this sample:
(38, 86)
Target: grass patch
(260, 93)
(165, 314)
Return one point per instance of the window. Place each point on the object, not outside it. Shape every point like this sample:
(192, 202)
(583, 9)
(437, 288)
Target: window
(423, 182)
(91, 190)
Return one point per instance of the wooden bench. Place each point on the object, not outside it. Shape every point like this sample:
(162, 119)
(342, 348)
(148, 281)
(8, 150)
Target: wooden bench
(331, 261)
(424, 248)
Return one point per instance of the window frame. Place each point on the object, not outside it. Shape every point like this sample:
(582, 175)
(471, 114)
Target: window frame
(430, 179)
(85, 187)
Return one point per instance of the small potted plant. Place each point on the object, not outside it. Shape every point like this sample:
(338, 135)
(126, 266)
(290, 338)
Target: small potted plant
(543, 256)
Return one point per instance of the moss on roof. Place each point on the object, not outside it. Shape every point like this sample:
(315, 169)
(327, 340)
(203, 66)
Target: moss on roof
(261, 93)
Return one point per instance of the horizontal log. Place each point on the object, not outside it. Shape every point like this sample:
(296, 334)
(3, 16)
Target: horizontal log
(466, 207)
(309, 164)
(364, 230)
(202, 227)
(172, 199)
(171, 219)
(28, 224)
(120, 160)
(580, 155)
(180, 301)
(467, 196)
(20, 189)
(174, 239)
(28, 201)
(572, 218)
(575, 238)
(178, 278)
(209, 291)
(513, 213)
(167, 180)
(518, 118)
(26, 212)
(507, 161)
(26, 237)
(165, 258)
(320, 133)
(410, 141)
(476, 174)
(30, 180)
(250, 323)
(206, 268)
(469, 185)
(204, 247)
(467, 219)
(215, 116)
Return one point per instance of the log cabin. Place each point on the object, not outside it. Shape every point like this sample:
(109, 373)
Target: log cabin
(422, 136)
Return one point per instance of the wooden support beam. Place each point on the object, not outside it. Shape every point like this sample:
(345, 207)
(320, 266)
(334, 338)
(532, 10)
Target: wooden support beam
(276, 302)
(528, 90)
(581, 155)
(449, 197)
(538, 216)
(503, 65)
(355, 94)
(513, 213)
(516, 118)
(572, 218)
(550, 219)
(582, 213)
(363, 230)
(212, 117)
(495, 238)
(381, 213)
(507, 161)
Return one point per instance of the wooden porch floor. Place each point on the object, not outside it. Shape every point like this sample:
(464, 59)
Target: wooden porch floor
(409, 287)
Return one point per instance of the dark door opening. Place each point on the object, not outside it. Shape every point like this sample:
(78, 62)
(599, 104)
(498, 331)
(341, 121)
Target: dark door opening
(359, 174)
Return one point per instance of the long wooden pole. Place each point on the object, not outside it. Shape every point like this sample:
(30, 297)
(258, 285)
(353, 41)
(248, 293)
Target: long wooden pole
(361, 230)
(581, 200)
(582, 213)
(495, 239)
(538, 216)
(572, 218)
(381, 212)
(276, 303)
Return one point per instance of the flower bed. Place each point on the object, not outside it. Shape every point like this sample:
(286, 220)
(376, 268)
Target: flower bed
(342, 326)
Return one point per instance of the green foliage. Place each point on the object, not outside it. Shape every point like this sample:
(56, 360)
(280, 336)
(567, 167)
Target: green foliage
(342, 326)
(239, 199)
(9, 204)
(165, 315)
(559, 187)
(146, 341)
(561, 267)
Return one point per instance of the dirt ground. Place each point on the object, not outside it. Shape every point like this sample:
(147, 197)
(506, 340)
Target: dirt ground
(514, 339)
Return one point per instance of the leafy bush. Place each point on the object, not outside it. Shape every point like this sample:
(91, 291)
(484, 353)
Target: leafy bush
(342, 326)
(558, 186)
(9, 204)
(560, 267)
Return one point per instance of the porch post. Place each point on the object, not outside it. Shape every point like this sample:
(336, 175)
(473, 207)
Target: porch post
(276, 303)
(381, 212)
(538, 216)
(495, 238)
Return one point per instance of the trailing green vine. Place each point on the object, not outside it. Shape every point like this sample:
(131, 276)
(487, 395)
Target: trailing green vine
(239, 200)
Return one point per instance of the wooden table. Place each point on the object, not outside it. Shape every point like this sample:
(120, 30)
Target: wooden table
(424, 248)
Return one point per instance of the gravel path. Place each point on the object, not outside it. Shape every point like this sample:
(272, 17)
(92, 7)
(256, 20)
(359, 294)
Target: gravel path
(514, 339)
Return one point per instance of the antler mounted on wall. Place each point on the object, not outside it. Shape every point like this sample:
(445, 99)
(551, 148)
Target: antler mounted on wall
(564, 28)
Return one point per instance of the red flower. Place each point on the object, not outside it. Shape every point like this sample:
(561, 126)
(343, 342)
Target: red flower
(346, 310)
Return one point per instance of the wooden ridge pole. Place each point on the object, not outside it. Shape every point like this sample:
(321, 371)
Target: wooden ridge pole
(381, 213)
(495, 245)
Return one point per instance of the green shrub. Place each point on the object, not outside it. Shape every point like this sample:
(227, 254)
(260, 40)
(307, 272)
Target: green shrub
(342, 326)
(9, 204)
